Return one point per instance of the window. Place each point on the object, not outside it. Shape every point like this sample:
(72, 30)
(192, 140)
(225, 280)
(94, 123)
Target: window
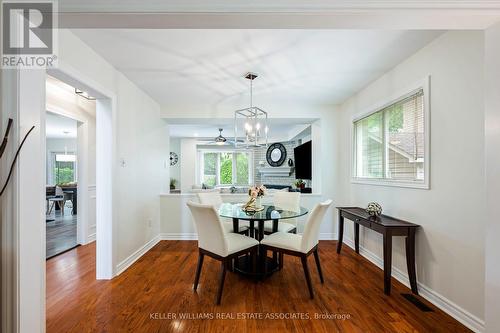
(225, 168)
(389, 144)
(64, 168)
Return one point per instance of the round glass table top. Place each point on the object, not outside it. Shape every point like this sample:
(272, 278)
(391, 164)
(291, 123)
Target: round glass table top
(270, 212)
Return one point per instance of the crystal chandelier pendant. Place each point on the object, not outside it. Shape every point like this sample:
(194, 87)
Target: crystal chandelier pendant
(251, 122)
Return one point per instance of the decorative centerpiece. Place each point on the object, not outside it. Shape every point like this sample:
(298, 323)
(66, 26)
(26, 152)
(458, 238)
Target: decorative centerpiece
(374, 209)
(255, 193)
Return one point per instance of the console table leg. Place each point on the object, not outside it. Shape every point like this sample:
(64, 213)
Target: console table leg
(410, 260)
(387, 262)
(341, 232)
(356, 237)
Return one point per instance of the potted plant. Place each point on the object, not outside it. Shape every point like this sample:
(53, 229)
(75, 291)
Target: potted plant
(300, 184)
(172, 183)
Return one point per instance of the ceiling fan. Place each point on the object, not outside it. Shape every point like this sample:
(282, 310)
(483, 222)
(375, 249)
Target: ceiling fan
(221, 140)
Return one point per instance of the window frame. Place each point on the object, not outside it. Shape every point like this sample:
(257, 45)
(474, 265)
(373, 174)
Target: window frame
(201, 171)
(424, 85)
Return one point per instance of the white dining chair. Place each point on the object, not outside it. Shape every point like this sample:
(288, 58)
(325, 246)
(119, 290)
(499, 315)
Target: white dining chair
(287, 201)
(214, 242)
(215, 199)
(300, 245)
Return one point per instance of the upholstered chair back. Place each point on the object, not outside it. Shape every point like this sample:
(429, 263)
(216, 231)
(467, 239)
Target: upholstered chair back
(211, 235)
(311, 231)
(287, 200)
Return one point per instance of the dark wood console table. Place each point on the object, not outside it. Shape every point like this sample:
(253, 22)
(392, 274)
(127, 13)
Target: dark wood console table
(388, 227)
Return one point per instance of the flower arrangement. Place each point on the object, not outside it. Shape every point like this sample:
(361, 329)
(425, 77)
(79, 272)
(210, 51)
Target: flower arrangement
(255, 193)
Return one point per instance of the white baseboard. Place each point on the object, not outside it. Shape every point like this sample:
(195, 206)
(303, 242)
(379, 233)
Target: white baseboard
(121, 267)
(178, 236)
(90, 238)
(328, 236)
(468, 319)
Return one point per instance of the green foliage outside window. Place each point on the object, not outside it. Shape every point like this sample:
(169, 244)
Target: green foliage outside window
(226, 160)
(395, 118)
(64, 175)
(226, 168)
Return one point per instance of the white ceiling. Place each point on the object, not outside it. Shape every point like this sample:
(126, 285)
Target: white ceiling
(203, 69)
(56, 126)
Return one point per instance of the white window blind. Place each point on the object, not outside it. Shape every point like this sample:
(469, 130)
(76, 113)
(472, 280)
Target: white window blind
(389, 143)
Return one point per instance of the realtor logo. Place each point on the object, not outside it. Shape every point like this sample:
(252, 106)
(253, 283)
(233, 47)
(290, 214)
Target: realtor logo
(28, 34)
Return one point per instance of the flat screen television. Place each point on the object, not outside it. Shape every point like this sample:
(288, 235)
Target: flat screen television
(303, 160)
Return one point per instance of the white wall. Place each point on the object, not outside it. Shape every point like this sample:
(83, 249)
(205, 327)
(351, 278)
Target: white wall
(492, 129)
(142, 147)
(175, 170)
(140, 140)
(189, 162)
(450, 244)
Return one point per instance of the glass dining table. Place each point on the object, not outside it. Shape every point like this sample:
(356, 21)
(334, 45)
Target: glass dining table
(256, 221)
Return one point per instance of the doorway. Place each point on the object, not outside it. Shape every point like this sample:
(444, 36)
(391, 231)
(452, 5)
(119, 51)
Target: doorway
(70, 123)
(61, 184)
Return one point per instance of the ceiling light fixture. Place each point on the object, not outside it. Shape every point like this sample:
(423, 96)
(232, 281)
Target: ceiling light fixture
(220, 140)
(252, 121)
(84, 94)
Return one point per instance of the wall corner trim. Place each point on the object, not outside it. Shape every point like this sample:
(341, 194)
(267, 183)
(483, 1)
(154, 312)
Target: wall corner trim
(122, 266)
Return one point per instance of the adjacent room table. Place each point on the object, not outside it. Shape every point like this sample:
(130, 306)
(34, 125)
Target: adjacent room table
(272, 213)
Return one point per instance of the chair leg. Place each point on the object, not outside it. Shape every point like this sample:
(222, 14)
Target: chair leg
(281, 260)
(61, 205)
(51, 207)
(318, 265)
(198, 270)
(222, 276)
(308, 276)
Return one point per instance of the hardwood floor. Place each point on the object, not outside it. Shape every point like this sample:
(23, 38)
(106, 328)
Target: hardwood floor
(60, 233)
(156, 292)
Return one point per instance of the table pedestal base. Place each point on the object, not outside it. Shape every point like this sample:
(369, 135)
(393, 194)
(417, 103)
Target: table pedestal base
(243, 265)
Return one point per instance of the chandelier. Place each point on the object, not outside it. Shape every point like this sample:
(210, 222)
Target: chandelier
(251, 122)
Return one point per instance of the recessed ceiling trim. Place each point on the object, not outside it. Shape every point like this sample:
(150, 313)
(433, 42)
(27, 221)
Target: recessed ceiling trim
(440, 19)
(265, 5)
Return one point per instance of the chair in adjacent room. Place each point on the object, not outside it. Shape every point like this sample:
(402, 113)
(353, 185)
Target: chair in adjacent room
(60, 198)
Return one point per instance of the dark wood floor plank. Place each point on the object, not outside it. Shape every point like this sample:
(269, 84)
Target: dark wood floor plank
(60, 232)
(161, 282)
